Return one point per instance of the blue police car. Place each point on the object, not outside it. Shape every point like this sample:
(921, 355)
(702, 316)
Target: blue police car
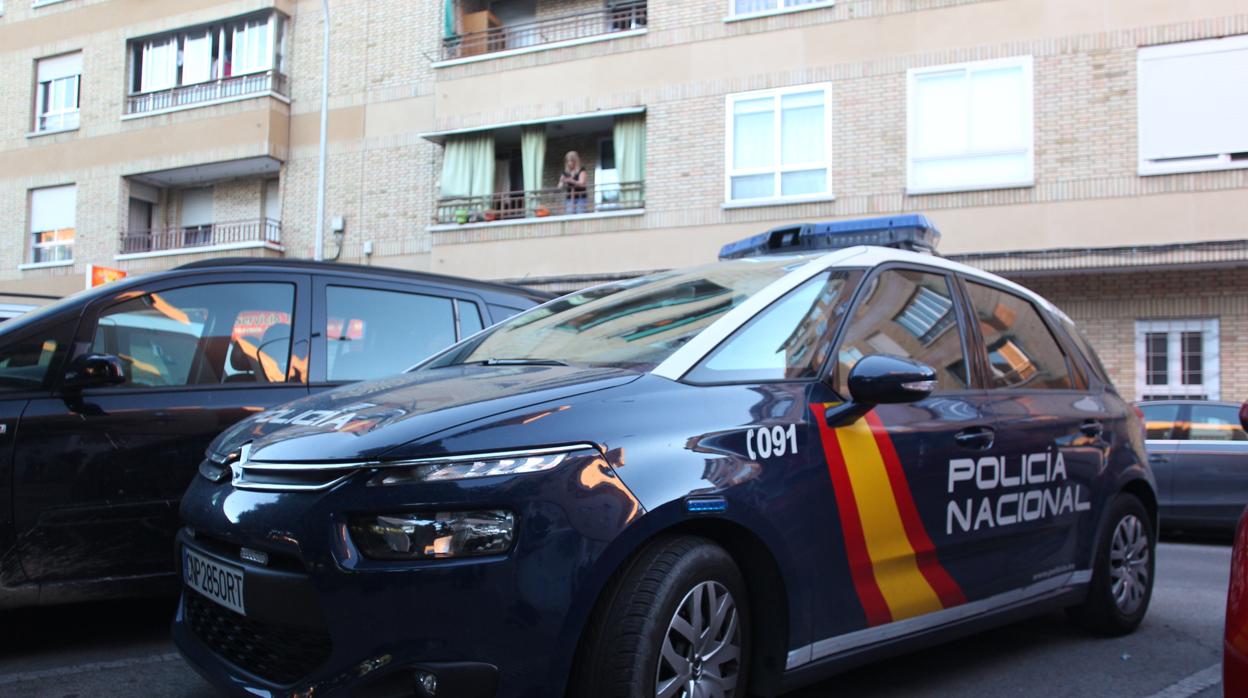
(727, 480)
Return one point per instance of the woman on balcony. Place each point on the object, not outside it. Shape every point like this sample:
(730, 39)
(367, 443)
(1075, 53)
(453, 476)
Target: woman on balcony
(575, 183)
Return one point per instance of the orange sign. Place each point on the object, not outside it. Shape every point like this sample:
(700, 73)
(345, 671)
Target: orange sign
(98, 276)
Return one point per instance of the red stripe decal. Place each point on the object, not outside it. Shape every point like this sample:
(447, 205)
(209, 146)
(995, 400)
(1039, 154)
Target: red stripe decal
(860, 567)
(946, 588)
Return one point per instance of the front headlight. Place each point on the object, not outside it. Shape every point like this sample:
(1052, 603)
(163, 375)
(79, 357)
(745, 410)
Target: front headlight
(474, 466)
(434, 536)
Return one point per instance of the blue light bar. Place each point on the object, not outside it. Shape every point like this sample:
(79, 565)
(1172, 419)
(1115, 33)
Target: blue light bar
(909, 232)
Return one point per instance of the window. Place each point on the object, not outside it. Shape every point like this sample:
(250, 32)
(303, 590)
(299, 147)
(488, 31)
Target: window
(1022, 352)
(789, 340)
(196, 216)
(1192, 106)
(970, 126)
(204, 54)
(753, 7)
(57, 92)
(372, 333)
(201, 335)
(52, 215)
(779, 144)
(25, 361)
(908, 314)
(1176, 358)
(469, 318)
(1215, 423)
(1161, 421)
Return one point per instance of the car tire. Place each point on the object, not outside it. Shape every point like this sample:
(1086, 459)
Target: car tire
(1122, 572)
(643, 639)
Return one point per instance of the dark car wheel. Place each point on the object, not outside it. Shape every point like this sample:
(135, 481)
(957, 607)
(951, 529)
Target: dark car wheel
(1122, 573)
(675, 624)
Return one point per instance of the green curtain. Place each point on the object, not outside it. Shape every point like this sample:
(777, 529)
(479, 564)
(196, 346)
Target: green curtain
(532, 161)
(630, 157)
(448, 19)
(468, 166)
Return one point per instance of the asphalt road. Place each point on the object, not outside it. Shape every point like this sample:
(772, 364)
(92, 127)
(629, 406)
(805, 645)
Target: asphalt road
(122, 649)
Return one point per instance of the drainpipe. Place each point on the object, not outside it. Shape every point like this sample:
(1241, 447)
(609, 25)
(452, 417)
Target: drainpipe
(319, 249)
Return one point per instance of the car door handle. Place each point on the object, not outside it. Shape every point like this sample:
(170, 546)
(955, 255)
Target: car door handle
(976, 437)
(1092, 428)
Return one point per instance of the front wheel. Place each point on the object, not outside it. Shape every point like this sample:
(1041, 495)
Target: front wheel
(674, 625)
(1122, 573)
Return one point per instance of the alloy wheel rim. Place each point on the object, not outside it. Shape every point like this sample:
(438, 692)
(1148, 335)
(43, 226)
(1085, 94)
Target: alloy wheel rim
(701, 654)
(1129, 556)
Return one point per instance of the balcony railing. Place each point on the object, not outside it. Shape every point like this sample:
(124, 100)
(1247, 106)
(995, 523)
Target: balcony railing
(264, 230)
(225, 88)
(618, 17)
(541, 203)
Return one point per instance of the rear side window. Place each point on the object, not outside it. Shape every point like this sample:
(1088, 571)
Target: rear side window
(25, 362)
(372, 333)
(1215, 423)
(1022, 352)
(1161, 421)
(469, 319)
(201, 335)
(908, 314)
(788, 340)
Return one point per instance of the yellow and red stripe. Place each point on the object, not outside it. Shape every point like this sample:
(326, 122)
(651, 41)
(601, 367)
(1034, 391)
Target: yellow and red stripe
(892, 560)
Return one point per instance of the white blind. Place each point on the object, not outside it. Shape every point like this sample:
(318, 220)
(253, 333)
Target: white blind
(53, 208)
(60, 66)
(197, 57)
(196, 207)
(1192, 98)
(253, 50)
(160, 64)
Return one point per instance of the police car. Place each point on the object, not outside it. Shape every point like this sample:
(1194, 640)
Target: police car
(727, 480)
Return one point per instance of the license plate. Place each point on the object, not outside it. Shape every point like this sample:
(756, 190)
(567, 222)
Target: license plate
(218, 581)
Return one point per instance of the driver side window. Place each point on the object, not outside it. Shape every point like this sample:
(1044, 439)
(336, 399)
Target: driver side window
(910, 314)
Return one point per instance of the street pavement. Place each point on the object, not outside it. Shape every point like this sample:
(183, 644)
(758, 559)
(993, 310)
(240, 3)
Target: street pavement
(122, 649)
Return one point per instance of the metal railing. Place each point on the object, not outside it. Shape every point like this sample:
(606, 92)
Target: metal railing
(540, 203)
(191, 237)
(225, 88)
(616, 17)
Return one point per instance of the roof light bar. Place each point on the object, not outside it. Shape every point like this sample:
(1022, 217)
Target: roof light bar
(912, 232)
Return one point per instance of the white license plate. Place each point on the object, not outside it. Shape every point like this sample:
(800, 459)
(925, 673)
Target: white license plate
(220, 582)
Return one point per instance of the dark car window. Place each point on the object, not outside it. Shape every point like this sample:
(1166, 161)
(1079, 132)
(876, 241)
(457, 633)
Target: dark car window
(788, 340)
(909, 314)
(372, 333)
(1161, 421)
(25, 360)
(201, 335)
(1085, 347)
(469, 319)
(1215, 423)
(1022, 352)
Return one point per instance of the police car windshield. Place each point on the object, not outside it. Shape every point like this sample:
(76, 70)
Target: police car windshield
(633, 324)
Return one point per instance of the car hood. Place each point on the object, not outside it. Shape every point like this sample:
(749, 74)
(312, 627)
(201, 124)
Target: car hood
(363, 421)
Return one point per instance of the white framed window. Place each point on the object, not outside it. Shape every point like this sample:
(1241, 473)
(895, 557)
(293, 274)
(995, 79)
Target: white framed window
(970, 126)
(58, 84)
(1193, 106)
(52, 214)
(750, 8)
(1177, 359)
(779, 145)
(207, 53)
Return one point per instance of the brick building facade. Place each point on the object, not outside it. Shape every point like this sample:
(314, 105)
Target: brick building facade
(1078, 197)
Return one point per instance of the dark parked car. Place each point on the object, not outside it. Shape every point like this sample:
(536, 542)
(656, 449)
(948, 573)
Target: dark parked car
(109, 398)
(1199, 453)
(741, 476)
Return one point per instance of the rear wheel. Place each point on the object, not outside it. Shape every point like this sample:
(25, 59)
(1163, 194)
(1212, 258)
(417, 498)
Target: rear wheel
(1122, 573)
(675, 625)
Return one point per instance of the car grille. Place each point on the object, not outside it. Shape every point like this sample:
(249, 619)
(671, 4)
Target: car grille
(275, 653)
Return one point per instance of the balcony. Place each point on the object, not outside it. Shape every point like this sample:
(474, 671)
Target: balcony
(264, 231)
(238, 86)
(540, 203)
(482, 32)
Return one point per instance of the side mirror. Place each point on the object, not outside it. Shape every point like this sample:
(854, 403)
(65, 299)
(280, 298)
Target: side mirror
(880, 379)
(94, 371)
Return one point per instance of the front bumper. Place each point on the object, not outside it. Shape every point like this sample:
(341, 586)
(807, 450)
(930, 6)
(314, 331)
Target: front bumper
(322, 620)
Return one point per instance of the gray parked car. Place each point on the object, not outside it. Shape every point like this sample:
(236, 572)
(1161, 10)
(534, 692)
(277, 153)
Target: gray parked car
(1199, 453)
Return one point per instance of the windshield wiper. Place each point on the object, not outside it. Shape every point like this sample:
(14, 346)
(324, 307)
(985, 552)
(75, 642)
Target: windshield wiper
(517, 362)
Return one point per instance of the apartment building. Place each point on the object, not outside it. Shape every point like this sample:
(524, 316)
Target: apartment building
(1096, 152)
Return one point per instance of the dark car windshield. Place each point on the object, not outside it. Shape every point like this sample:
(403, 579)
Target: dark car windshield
(633, 324)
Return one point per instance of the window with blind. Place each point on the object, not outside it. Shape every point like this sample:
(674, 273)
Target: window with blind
(779, 145)
(758, 7)
(58, 85)
(203, 54)
(1177, 359)
(52, 214)
(1193, 106)
(969, 126)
